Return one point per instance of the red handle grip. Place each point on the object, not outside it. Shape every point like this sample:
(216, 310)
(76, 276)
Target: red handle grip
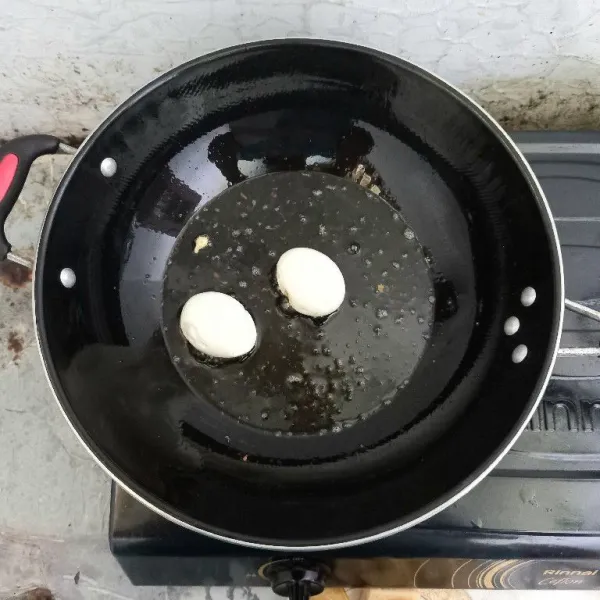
(8, 169)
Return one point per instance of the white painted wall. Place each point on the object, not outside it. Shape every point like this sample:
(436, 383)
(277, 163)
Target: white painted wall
(65, 63)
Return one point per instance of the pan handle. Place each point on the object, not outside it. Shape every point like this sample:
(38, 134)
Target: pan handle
(584, 311)
(16, 158)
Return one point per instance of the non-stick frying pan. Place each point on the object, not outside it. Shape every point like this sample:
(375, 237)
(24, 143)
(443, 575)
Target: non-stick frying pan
(331, 432)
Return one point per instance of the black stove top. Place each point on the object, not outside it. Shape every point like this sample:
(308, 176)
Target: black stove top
(534, 522)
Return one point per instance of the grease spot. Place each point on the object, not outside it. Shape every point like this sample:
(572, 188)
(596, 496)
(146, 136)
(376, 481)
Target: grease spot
(15, 345)
(13, 275)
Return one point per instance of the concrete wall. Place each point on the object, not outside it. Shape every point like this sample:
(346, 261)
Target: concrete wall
(65, 63)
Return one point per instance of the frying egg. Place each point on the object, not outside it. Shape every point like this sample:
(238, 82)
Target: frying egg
(218, 325)
(311, 281)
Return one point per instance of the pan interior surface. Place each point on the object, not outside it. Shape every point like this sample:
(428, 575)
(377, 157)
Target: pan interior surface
(342, 383)
(278, 109)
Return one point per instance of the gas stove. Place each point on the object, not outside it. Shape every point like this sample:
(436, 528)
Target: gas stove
(533, 523)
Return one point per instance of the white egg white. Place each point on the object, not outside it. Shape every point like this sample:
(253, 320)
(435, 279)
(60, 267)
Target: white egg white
(218, 325)
(312, 283)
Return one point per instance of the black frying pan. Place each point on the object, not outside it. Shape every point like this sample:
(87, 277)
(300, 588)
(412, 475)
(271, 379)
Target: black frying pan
(330, 433)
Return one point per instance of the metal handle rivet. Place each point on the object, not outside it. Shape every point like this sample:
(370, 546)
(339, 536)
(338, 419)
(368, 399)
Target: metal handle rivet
(68, 277)
(511, 325)
(519, 353)
(528, 296)
(108, 167)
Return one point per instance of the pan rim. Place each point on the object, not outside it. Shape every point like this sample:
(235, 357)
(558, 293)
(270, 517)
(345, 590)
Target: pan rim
(160, 507)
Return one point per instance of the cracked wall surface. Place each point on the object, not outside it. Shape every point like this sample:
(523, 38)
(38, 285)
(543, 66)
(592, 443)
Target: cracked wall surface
(64, 64)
